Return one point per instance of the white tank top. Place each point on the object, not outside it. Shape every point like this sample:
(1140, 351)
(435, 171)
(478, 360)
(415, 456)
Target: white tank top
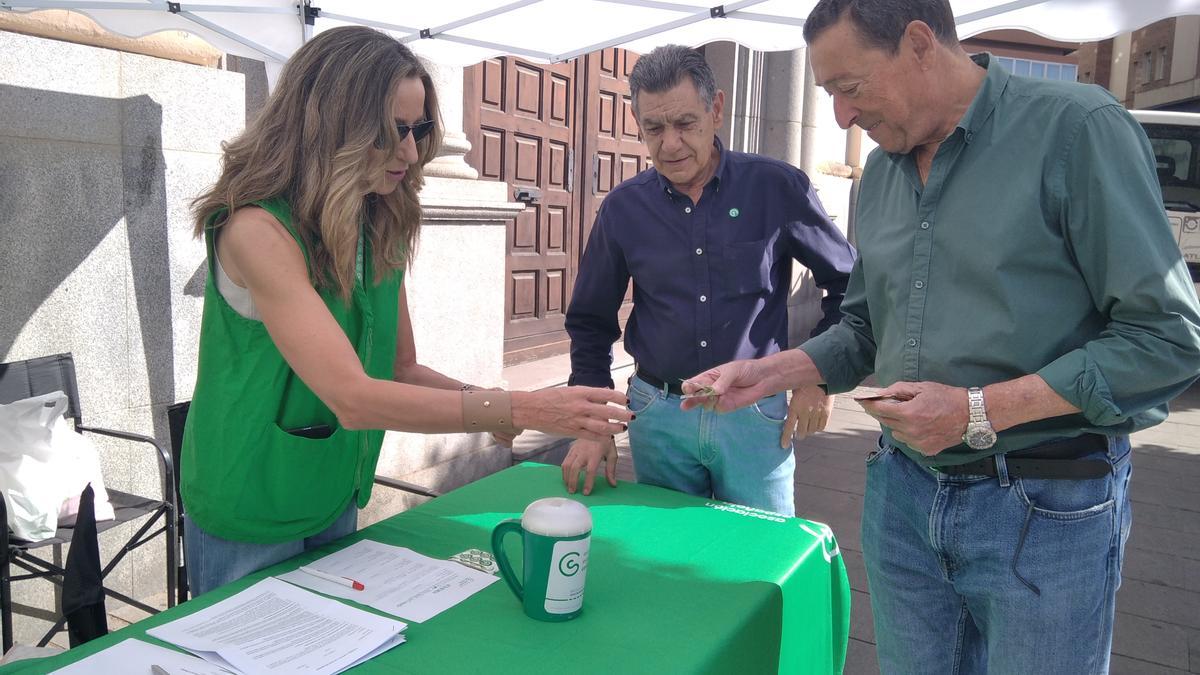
(239, 298)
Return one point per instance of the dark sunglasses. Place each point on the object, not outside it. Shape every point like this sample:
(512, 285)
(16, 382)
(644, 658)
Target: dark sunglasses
(419, 130)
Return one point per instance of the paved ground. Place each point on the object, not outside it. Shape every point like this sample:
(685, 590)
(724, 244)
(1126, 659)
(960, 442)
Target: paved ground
(1158, 607)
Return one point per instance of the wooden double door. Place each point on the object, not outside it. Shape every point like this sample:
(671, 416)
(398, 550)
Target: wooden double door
(561, 136)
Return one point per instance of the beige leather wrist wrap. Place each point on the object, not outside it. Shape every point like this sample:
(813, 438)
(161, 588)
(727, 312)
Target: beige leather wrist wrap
(487, 411)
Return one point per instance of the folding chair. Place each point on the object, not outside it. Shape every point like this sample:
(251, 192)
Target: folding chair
(34, 377)
(176, 419)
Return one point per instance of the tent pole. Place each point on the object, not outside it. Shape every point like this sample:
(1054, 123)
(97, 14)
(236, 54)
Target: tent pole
(728, 13)
(65, 4)
(308, 17)
(993, 11)
(418, 33)
(503, 9)
(506, 49)
(274, 56)
(653, 30)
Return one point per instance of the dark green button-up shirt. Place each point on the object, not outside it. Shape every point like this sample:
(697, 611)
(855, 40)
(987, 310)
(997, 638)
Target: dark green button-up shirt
(1038, 244)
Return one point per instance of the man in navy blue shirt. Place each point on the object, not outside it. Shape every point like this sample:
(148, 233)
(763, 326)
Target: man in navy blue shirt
(708, 237)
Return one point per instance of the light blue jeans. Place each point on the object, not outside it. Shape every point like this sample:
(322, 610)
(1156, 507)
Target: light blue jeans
(971, 574)
(213, 561)
(734, 457)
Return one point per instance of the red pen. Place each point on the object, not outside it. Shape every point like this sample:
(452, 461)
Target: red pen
(342, 581)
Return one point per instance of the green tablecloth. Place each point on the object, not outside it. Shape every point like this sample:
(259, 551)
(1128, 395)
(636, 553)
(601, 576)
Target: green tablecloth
(676, 584)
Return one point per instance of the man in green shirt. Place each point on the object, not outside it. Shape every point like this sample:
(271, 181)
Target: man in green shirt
(1020, 297)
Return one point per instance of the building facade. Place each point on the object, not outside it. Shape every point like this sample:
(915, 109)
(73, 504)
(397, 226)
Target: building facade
(1153, 68)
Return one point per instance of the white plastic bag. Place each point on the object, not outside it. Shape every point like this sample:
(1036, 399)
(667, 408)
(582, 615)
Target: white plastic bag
(32, 491)
(79, 464)
(44, 463)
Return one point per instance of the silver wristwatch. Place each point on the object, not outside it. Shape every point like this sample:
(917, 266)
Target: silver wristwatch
(979, 434)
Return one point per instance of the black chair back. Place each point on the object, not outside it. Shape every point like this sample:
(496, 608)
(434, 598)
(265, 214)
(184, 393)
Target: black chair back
(176, 419)
(43, 375)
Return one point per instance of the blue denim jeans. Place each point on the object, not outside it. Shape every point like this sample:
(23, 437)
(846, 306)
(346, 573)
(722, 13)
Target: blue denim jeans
(734, 457)
(971, 574)
(213, 561)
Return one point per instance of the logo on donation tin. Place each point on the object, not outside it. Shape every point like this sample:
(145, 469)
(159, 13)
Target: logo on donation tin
(568, 565)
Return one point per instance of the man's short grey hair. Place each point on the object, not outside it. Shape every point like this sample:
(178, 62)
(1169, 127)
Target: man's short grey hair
(665, 67)
(881, 23)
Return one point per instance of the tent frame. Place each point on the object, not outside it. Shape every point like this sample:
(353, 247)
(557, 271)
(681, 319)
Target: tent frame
(307, 13)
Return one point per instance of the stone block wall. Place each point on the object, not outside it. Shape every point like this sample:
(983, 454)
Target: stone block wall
(100, 152)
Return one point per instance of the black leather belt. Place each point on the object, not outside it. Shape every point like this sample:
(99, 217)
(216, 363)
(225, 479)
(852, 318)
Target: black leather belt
(1052, 460)
(657, 382)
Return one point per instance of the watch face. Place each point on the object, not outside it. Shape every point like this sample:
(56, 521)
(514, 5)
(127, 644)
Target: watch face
(980, 437)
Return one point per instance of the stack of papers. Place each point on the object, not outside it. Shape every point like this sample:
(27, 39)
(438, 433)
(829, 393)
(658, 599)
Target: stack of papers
(135, 656)
(274, 627)
(396, 580)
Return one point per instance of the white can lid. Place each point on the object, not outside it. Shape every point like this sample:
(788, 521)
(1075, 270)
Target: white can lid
(556, 517)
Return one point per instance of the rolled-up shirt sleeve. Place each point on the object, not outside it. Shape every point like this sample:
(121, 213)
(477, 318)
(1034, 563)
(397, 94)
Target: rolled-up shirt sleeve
(845, 354)
(1110, 203)
(591, 319)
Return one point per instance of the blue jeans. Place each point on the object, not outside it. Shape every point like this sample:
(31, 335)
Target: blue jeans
(971, 574)
(734, 457)
(213, 561)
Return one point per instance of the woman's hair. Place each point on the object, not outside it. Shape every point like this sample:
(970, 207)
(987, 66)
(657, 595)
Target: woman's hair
(321, 141)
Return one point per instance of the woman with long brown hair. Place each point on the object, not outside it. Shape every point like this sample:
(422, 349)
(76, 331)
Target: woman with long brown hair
(306, 345)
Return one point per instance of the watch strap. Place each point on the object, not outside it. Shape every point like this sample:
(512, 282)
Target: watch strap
(975, 405)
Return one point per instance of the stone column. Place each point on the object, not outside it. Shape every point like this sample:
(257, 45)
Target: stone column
(462, 284)
(455, 293)
(783, 107)
(798, 128)
(739, 73)
(450, 162)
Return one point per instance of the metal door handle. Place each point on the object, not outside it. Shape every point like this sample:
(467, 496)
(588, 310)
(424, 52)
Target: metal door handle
(528, 195)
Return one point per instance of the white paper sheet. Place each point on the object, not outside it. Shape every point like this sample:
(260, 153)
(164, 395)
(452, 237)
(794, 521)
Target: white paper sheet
(273, 627)
(398, 580)
(136, 656)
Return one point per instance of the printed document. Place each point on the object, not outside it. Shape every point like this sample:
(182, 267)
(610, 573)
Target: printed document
(274, 627)
(398, 581)
(136, 656)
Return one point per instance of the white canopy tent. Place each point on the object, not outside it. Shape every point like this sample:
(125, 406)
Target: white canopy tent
(464, 32)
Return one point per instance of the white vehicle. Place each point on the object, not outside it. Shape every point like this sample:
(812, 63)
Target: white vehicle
(1175, 137)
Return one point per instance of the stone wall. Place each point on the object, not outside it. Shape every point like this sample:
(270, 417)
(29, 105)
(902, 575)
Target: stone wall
(100, 152)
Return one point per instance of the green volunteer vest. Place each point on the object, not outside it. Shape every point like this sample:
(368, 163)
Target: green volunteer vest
(242, 475)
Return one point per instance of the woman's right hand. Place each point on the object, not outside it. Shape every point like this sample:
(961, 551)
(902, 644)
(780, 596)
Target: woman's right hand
(581, 412)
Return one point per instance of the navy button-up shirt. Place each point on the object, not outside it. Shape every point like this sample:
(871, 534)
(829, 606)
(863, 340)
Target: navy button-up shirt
(710, 279)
